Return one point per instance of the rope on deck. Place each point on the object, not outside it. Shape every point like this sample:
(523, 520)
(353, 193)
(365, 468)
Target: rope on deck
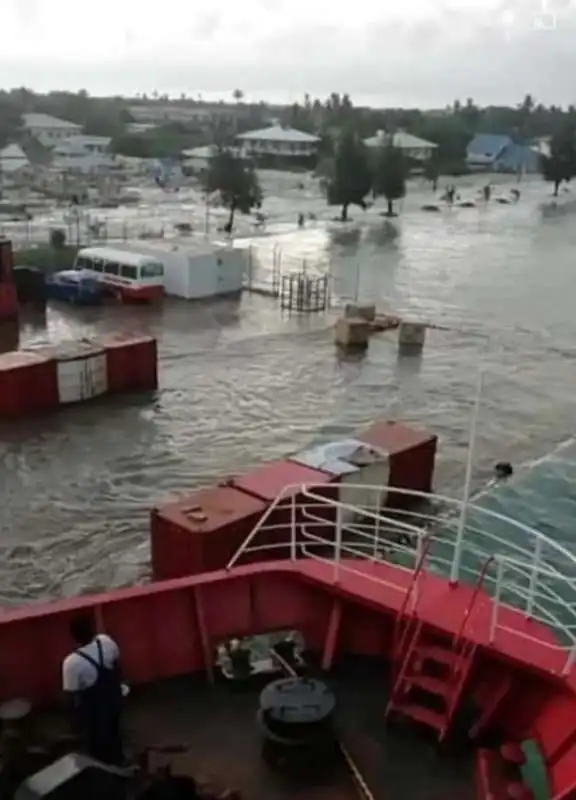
(359, 782)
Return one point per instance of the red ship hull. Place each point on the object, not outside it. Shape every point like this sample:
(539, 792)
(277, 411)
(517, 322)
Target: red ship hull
(516, 670)
(171, 628)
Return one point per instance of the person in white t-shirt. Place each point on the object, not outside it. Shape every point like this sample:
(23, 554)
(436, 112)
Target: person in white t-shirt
(91, 676)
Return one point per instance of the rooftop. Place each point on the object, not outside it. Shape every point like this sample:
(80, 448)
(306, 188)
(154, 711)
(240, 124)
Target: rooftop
(206, 151)
(400, 139)
(13, 158)
(47, 121)
(87, 141)
(279, 133)
(13, 151)
(190, 246)
(486, 147)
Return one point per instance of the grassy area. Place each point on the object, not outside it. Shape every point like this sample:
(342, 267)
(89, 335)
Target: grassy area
(46, 258)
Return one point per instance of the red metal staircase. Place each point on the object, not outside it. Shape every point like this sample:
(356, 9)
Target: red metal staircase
(428, 682)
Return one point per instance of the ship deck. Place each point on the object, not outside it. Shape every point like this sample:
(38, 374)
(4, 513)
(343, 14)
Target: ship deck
(210, 732)
(217, 732)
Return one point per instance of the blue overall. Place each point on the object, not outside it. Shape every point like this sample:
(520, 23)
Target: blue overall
(98, 710)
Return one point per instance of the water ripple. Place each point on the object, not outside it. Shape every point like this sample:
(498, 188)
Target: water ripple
(240, 382)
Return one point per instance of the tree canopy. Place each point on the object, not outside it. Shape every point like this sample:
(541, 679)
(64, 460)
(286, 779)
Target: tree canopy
(390, 170)
(451, 128)
(349, 178)
(560, 165)
(236, 181)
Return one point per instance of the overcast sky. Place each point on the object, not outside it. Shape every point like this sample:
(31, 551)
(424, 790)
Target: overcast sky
(383, 52)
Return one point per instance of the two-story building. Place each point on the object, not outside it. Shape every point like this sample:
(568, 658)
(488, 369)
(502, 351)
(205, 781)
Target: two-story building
(83, 154)
(49, 131)
(412, 147)
(279, 145)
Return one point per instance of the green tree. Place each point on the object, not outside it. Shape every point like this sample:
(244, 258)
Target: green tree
(237, 182)
(350, 178)
(560, 165)
(390, 171)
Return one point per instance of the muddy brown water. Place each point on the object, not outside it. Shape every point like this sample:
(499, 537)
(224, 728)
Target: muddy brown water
(241, 382)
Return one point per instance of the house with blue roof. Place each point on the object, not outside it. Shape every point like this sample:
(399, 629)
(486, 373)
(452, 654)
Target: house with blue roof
(494, 152)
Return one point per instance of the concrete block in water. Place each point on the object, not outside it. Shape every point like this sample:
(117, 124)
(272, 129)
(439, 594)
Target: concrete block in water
(411, 336)
(365, 311)
(352, 332)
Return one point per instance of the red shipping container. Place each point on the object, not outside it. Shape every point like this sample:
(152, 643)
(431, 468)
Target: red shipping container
(132, 362)
(201, 532)
(9, 335)
(28, 383)
(8, 302)
(6, 261)
(267, 482)
(412, 457)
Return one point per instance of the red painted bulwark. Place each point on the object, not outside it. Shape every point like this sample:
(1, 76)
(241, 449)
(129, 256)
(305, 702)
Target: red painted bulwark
(563, 774)
(132, 362)
(555, 726)
(28, 383)
(156, 625)
(201, 532)
(158, 630)
(412, 456)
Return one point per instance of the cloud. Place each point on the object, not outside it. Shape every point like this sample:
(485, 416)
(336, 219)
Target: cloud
(27, 12)
(412, 53)
(207, 25)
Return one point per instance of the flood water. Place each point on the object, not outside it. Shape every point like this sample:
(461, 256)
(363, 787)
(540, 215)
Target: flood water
(242, 382)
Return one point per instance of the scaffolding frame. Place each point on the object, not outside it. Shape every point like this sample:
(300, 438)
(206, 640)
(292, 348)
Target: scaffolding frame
(304, 293)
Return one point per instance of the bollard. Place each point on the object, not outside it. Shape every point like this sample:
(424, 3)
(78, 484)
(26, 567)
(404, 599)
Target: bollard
(365, 311)
(411, 337)
(352, 333)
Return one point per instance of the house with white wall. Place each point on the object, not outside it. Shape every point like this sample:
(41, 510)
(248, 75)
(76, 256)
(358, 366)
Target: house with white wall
(412, 146)
(49, 131)
(12, 159)
(83, 154)
(279, 143)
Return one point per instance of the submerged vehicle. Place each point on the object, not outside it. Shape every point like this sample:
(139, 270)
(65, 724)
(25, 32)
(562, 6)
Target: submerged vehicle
(132, 277)
(363, 640)
(74, 286)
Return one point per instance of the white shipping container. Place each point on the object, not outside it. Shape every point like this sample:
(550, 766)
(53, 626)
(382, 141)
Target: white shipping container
(195, 270)
(81, 370)
(358, 465)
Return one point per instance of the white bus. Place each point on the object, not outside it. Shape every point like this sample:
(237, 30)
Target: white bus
(134, 277)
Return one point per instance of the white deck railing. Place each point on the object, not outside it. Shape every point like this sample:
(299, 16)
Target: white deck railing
(530, 572)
